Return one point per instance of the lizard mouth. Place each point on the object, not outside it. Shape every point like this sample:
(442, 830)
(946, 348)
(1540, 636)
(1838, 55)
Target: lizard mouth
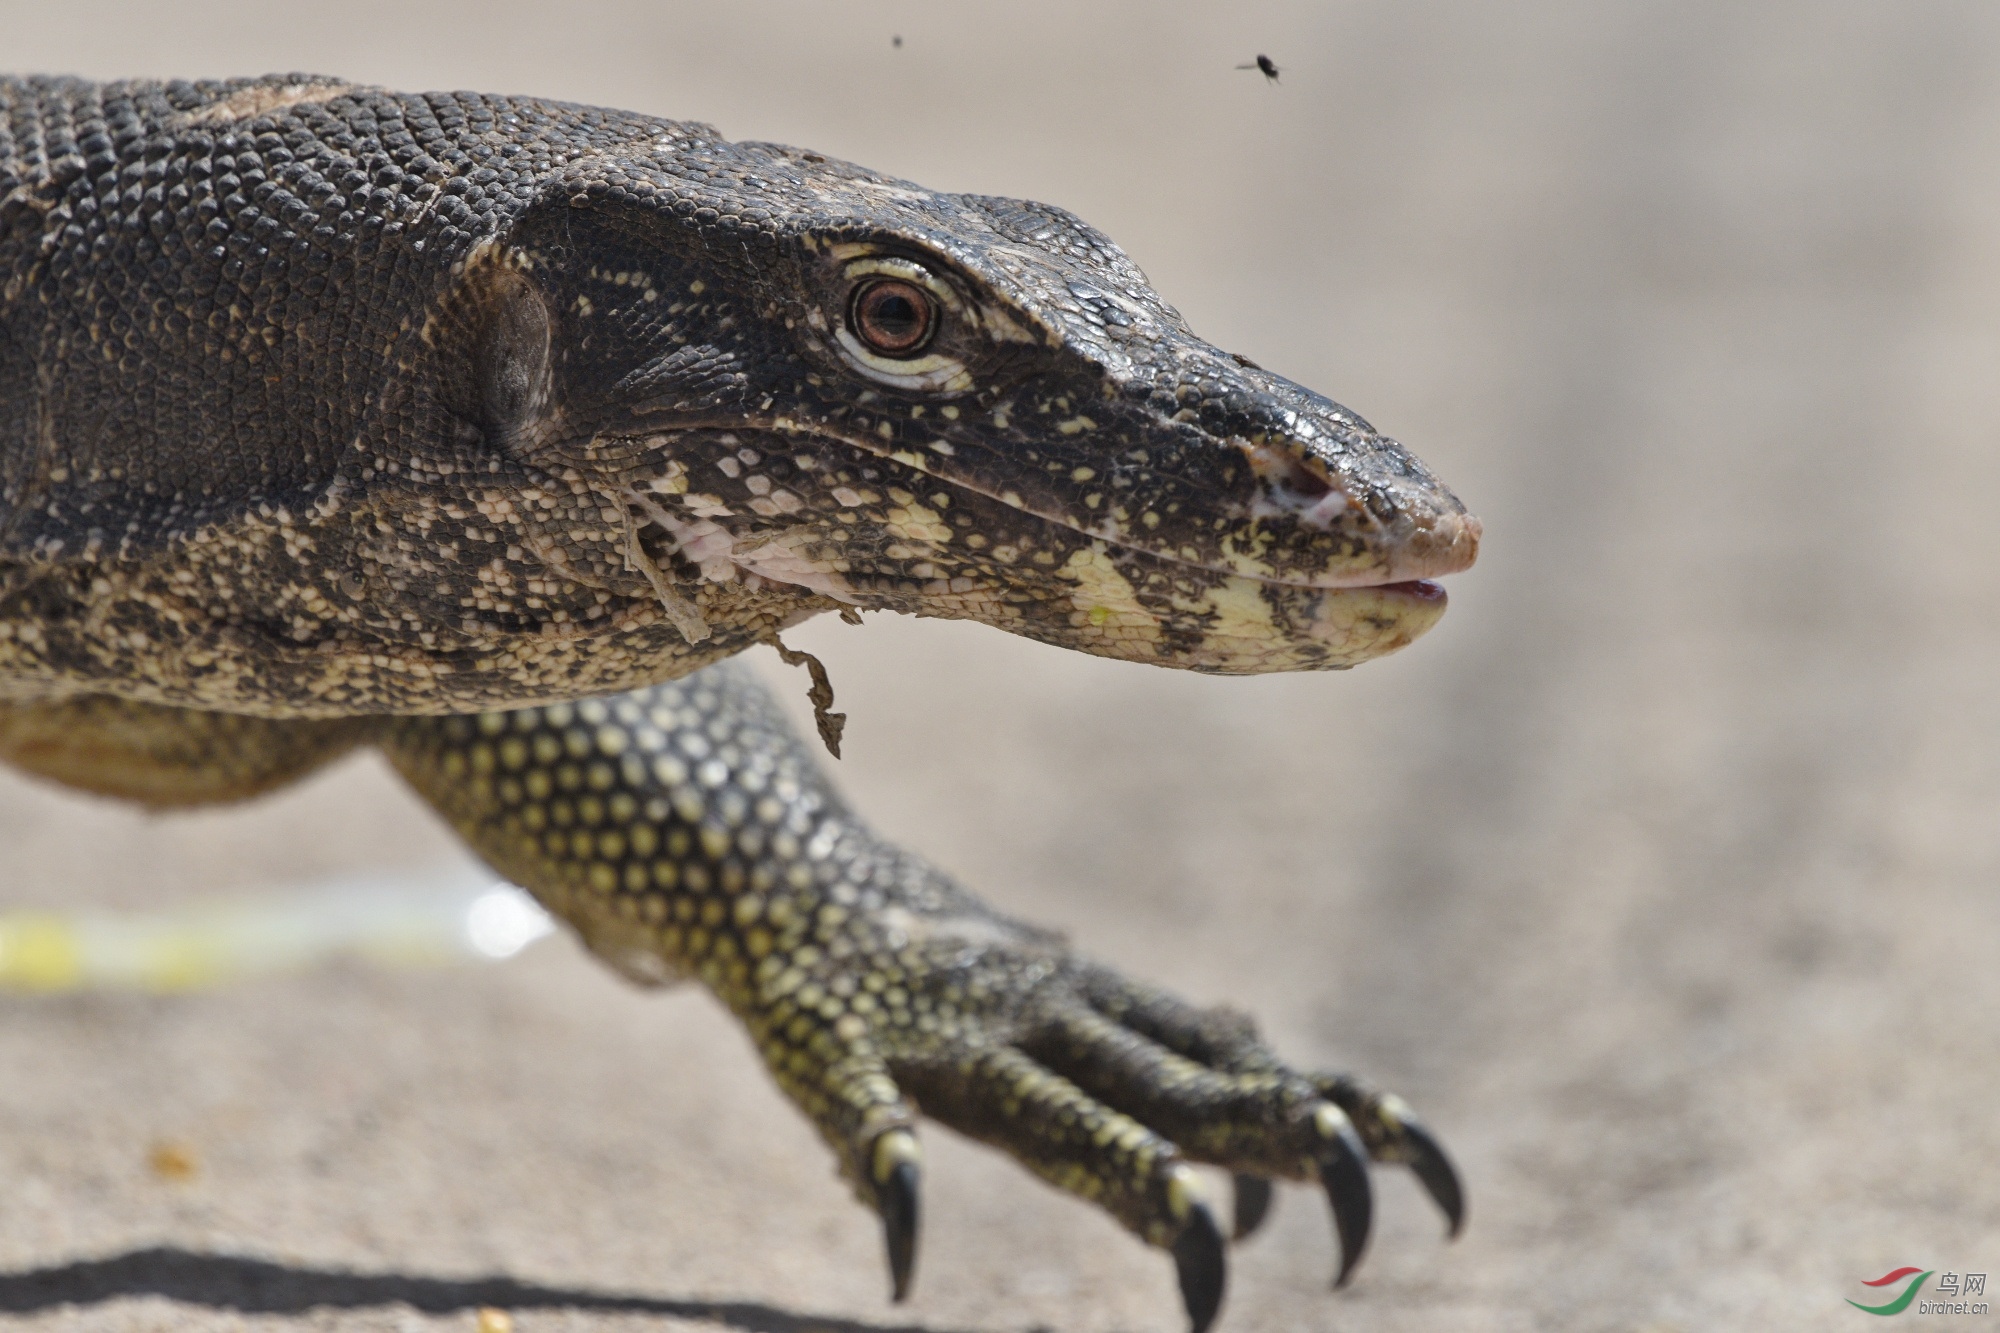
(875, 529)
(1422, 590)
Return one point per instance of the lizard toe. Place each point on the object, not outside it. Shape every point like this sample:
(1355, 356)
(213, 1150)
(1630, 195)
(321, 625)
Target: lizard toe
(998, 1094)
(1202, 1266)
(1257, 1121)
(1253, 1204)
(1375, 1126)
(896, 1173)
(1393, 1133)
(1343, 1172)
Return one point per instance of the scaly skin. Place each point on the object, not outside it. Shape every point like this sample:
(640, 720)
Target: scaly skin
(332, 416)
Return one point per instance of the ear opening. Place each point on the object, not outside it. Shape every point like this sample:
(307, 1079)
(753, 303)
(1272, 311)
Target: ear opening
(492, 334)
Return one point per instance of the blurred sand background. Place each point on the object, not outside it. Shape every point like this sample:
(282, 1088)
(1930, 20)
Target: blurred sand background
(1661, 876)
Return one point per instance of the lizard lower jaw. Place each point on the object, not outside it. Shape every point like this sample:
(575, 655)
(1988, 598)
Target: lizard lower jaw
(1228, 623)
(1251, 627)
(1334, 627)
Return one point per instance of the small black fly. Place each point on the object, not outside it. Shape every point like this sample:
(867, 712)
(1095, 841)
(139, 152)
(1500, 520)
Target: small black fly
(1265, 66)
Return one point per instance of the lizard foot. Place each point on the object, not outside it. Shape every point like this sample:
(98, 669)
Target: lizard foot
(684, 830)
(1104, 1088)
(1224, 1039)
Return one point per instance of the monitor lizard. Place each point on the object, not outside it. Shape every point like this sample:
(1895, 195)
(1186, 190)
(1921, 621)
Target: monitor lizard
(483, 429)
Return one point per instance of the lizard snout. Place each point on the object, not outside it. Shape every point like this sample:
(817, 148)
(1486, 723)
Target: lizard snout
(1344, 510)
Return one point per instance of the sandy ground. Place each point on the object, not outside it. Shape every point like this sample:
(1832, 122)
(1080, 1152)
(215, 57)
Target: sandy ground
(1661, 876)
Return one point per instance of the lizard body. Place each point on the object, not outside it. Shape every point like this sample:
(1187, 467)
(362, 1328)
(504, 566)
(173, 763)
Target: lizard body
(483, 428)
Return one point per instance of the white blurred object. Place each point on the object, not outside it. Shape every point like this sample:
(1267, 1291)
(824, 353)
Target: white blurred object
(432, 921)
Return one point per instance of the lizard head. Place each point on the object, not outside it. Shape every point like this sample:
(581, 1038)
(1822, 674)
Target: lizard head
(802, 385)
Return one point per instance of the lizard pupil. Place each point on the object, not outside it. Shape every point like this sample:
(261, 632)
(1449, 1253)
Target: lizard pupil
(894, 318)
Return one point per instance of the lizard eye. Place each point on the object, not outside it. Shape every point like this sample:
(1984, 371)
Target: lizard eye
(893, 317)
(896, 327)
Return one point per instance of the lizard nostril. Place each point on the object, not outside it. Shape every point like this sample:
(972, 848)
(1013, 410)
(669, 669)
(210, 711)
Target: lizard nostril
(1305, 481)
(1296, 474)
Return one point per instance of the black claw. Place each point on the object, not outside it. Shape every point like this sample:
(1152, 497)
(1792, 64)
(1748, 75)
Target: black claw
(1202, 1267)
(1343, 1170)
(898, 1200)
(1253, 1203)
(1427, 1159)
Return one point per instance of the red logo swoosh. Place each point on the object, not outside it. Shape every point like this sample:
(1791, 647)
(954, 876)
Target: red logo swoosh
(1887, 1278)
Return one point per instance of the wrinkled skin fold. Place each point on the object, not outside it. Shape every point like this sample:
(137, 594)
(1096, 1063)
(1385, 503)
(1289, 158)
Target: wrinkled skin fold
(482, 429)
